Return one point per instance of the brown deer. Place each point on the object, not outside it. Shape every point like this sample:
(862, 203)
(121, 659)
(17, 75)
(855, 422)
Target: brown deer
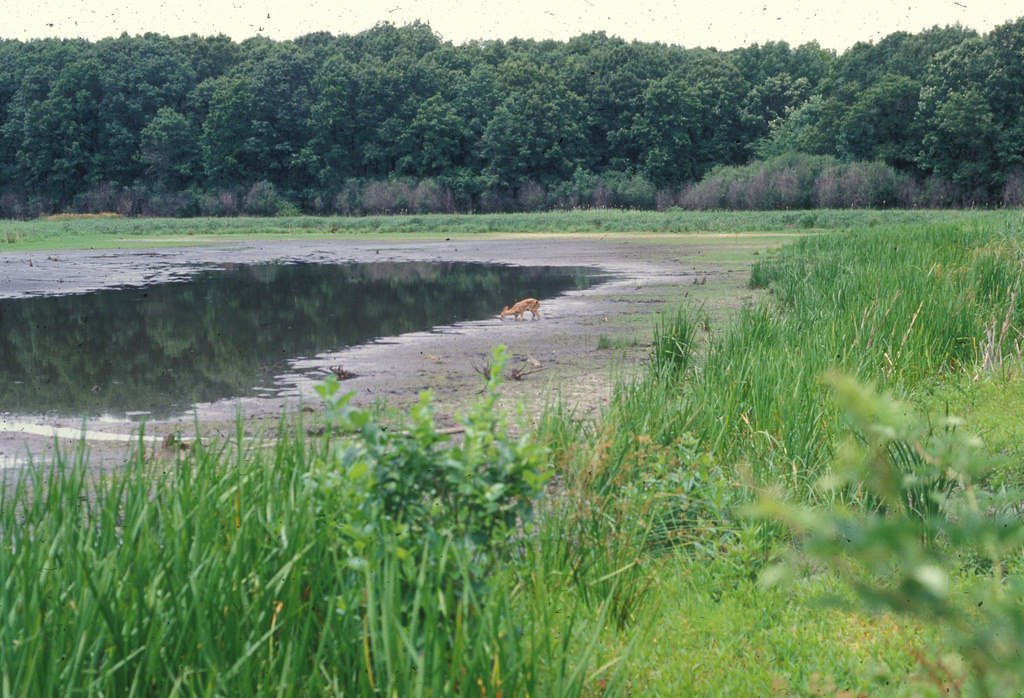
(520, 308)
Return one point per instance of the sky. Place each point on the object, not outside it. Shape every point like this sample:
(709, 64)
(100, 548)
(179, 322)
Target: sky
(722, 24)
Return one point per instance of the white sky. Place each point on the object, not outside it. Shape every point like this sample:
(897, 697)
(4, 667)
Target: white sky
(722, 24)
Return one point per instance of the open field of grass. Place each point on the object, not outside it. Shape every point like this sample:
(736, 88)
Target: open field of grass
(742, 519)
(69, 232)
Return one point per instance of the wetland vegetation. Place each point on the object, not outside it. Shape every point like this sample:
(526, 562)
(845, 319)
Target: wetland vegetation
(78, 232)
(783, 504)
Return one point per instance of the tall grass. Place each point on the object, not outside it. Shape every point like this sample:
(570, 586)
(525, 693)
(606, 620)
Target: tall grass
(895, 306)
(892, 305)
(223, 573)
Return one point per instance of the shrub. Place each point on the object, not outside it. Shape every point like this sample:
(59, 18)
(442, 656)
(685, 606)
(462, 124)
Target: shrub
(797, 181)
(602, 196)
(666, 199)
(1013, 190)
(97, 199)
(348, 200)
(635, 192)
(389, 492)
(227, 203)
(431, 197)
(495, 202)
(531, 197)
(13, 204)
(262, 199)
(939, 193)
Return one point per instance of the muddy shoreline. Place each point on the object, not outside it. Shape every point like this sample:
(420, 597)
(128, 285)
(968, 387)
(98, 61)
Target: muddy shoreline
(649, 272)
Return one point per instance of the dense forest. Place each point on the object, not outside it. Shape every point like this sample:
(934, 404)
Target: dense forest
(396, 119)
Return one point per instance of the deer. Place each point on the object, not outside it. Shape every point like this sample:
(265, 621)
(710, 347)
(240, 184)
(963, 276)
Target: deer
(520, 308)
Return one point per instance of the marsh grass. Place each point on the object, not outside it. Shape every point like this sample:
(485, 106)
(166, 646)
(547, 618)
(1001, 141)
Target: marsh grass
(221, 573)
(605, 341)
(924, 311)
(680, 447)
(125, 232)
(896, 306)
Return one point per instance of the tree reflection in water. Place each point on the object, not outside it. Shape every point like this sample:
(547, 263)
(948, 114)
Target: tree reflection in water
(227, 332)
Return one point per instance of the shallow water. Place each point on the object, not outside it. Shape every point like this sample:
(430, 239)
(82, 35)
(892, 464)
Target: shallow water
(227, 331)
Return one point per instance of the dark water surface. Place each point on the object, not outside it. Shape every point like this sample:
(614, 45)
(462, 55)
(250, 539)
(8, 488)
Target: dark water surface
(226, 332)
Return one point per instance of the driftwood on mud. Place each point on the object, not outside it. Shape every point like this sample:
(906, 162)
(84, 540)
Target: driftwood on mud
(516, 373)
(320, 431)
(340, 373)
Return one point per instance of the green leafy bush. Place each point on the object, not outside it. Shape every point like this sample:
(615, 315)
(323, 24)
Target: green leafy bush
(393, 491)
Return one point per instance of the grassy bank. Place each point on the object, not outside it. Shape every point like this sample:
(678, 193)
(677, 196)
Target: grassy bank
(315, 567)
(628, 554)
(929, 313)
(899, 306)
(76, 232)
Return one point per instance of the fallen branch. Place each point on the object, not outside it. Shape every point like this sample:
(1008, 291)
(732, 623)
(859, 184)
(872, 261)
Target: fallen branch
(341, 373)
(518, 374)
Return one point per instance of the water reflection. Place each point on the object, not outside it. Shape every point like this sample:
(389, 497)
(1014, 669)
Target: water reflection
(226, 332)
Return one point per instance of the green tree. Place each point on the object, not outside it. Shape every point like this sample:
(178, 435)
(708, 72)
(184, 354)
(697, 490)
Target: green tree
(208, 56)
(337, 130)
(405, 84)
(611, 76)
(881, 124)
(227, 132)
(169, 149)
(61, 136)
(771, 101)
(1004, 90)
(719, 89)
(962, 143)
(811, 128)
(434, 142)
(279, 115)
(666, 130)
(534, 135)
(140, 76)
(477, 95)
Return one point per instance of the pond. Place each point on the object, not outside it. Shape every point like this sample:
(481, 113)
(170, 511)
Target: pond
(227, 331)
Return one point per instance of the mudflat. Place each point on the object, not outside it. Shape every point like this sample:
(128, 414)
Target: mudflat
(559, 355)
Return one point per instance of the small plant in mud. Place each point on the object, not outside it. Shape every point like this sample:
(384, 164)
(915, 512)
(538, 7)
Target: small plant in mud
(341, 373)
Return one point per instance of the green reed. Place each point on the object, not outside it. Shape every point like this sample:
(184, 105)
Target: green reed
(893, 305)
(221, 572)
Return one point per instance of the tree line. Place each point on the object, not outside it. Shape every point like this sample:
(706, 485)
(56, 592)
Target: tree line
(396, 119)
